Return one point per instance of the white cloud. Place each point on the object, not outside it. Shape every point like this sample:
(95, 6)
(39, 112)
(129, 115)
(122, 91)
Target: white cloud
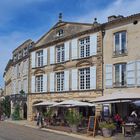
(118, 7)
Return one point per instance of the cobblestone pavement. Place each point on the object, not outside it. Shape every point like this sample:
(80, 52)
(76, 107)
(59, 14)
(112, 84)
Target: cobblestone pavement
(9, 131)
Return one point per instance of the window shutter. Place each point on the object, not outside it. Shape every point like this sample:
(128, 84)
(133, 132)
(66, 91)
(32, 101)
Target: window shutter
(108, 78)
(44, 82)
(93, 77)
(66, 83)
(138, 72)
(33, 59)
(93, 44)
(67, 51)
(131, 73)
(74, 79)
(33, 84)
(52, 82)
(52, 54)
(45, 56)
(74, 48)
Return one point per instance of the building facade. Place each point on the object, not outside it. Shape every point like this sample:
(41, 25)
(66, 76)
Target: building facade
(121, 55)
(66, 63)
(16, 77)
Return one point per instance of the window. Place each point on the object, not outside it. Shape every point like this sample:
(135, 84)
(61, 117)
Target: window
(120, 74)
(60, 81)
(60, 54)
(120, 43)
(84, 77)
(20, 54)
(39, 83)
(59, 33)
(84, 47)
(25, 51)
(39, 55)
(18, 70)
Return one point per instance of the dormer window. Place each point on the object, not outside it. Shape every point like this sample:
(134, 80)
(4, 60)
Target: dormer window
(59, 33)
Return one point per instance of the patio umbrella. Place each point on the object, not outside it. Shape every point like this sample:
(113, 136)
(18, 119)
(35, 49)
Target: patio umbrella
(72, 103)
(45, 103)
(137, 103)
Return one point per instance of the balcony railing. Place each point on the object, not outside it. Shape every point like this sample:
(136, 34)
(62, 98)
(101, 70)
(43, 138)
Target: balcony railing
(120, 52)
(119, 84)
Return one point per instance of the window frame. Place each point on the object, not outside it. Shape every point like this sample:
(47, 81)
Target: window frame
(84, 47)
(39, 58)
(60, 77)
(61, 50)
(86, 78)
(39, 83)
(120, 50)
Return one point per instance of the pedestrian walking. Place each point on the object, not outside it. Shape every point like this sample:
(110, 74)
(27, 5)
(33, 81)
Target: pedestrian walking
(39, 119)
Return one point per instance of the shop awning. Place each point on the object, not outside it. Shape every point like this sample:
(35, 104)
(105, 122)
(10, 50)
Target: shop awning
(117, 97)
(72, 103)
(45, 103)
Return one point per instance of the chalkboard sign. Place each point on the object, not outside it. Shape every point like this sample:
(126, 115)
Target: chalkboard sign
(92, 125)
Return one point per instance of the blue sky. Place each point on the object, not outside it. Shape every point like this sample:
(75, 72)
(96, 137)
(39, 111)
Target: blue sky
(30, 19)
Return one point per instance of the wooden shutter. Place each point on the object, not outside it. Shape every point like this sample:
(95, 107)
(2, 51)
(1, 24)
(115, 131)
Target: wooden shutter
(33, 84)
(74, 79)
(131, 73)
(45, 56)
(108, 76)
(52, 55)
(33, 59)
(44, 82)
(138, 72)
(66, 81)
(93, 44)
(74, 48)
(67, 51)
(93, 77)
(52, 82)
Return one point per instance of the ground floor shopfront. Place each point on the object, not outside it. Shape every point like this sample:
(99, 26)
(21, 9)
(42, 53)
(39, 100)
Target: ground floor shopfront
(58, 97)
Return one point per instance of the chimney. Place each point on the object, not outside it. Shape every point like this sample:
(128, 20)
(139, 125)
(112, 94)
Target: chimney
(111, 18)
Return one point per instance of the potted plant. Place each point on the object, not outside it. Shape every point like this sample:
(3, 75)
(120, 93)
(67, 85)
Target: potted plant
(48, 116)
(73, 118)
(107, 128)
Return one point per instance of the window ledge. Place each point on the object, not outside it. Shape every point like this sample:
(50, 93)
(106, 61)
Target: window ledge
(119, 55)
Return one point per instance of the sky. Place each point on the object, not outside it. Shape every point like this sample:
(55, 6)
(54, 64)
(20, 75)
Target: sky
(30, 19)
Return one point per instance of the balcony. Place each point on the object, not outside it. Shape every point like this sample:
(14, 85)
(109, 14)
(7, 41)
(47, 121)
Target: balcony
(118, 53)
(121, 84)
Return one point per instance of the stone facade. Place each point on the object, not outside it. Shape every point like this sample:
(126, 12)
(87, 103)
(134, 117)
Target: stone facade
(130, 56)
(72, 32)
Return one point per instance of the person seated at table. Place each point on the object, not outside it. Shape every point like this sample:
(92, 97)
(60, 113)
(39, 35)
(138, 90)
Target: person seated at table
(118, 121)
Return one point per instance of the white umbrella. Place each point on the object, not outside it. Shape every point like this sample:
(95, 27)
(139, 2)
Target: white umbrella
(72, 103)
(45, 103)
(137, 103)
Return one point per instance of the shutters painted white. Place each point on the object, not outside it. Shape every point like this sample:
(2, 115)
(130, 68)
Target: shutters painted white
(93, 44)
(52, 55)
(131, 73)
(33, 59)
(33, 84)
(74, 48)
(138, 72)
(74, 79)
(108, 76)
(93, 77)
(44, 82)
(67, 51)
(45, 56)
(66, 81)
(52, 82)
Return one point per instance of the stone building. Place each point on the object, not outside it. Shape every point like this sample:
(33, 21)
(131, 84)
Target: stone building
(121, 54)
(16, 77)
(66, 63)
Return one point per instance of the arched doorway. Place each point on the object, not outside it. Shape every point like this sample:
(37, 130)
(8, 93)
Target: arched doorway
(25, 111)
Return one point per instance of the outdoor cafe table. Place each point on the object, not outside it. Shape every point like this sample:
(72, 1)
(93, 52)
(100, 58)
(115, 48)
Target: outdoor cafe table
(128, 128)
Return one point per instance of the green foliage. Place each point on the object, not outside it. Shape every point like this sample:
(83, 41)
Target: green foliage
(6, 106)
(48, 113)
(108, 125)
(16, 113)
(73, 117)
(22, 92)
